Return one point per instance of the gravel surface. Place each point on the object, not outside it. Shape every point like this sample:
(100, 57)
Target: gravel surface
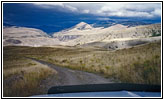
(67, 76)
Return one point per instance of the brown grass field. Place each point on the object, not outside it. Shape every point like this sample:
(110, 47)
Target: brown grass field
(22, 76)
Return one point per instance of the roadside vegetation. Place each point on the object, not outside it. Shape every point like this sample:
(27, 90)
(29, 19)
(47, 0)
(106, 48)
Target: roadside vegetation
(21, 76)
(141, 64)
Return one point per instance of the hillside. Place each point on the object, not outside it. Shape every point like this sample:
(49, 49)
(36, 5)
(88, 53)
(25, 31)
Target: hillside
(84, 35)
(22, 36)
(116, 34)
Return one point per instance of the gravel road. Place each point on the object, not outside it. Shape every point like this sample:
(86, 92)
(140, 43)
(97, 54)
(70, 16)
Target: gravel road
(67, 76)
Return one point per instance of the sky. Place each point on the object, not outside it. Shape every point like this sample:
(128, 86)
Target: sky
(56, 16)
(148, 10)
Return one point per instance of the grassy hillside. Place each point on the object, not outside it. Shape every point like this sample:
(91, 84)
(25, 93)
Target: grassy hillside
(21, 76)
(140, 64)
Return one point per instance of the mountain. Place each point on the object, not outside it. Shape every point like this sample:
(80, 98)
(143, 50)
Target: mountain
(83, 26)
(117, 35)
(111, 22)
(78, 27)
(84, 35)
(22, 36)
(117, 27)
(74, 32)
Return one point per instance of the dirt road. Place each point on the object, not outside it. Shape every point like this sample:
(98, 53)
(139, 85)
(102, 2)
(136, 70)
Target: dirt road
(67, 76)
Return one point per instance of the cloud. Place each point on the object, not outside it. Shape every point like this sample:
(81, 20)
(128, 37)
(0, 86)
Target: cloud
(156, 12)
(71, 8)
(103, 18)
(86, 11)
(48, 4)
(147, 10)
(51, 5)
(131, 10)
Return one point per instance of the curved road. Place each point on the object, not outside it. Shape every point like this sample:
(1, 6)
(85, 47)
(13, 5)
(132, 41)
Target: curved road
(67, 76)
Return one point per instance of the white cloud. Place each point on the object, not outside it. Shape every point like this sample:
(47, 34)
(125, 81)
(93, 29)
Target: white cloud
(48, 4)
(147, 10)
(86, 11)
(103, 18)
(131, 10)
(157, 12)
(71, 8)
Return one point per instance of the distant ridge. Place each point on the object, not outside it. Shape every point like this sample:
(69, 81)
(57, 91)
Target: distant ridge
(117, 32)
(84, 35)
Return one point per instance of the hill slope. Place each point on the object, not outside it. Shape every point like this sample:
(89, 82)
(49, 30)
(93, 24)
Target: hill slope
(26, 37)
(84, 35)
(116, 33)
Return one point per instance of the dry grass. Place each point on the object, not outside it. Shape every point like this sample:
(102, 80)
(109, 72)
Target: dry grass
(22, 77)
(140, 64)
